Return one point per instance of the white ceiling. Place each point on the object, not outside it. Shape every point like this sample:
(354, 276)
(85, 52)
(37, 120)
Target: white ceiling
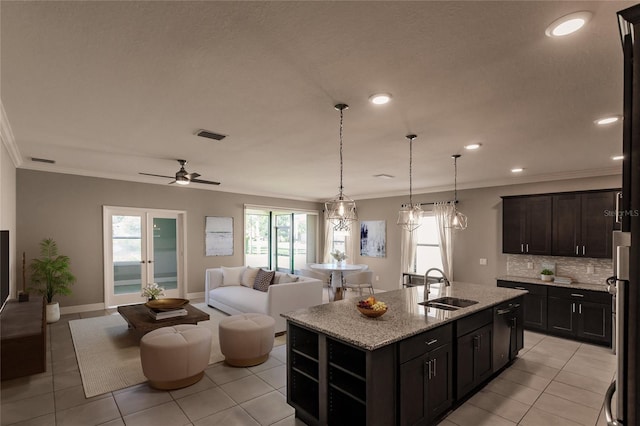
(111, 89)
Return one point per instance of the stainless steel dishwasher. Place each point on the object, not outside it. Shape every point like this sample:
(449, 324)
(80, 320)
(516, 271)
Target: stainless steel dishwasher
(507, 333)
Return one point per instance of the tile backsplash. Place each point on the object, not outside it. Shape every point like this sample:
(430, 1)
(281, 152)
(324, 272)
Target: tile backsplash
(574, 267)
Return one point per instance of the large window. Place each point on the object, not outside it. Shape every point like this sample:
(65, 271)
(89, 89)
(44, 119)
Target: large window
(428, 247)
(279, 239)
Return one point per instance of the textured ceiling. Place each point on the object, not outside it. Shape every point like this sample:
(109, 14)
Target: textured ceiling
(111, 89)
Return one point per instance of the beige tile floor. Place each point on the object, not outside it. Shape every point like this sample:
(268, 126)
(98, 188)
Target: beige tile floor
(555, 381)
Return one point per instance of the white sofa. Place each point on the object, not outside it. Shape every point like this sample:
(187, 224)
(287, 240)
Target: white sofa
(234, 298)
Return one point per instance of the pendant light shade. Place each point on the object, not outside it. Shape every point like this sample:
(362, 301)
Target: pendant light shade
(341, 211)
(458, 220)
(410, 215)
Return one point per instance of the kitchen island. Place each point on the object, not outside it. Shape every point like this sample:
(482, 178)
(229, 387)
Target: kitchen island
(408, 366)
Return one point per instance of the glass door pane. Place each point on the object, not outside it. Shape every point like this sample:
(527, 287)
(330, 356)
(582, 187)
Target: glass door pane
(256, 239)
(283, 242)
(299, 241)
(127, 254)
(165, 253)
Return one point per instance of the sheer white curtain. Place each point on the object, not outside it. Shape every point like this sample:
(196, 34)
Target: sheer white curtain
(407, 252)
(443, 212)
(328, 241)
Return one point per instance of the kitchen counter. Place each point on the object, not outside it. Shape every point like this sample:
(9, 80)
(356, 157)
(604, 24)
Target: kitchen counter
(404, 317)
(583, 286)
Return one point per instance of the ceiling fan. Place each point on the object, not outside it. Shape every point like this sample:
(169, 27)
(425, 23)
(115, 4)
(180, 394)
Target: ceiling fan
(184, 178)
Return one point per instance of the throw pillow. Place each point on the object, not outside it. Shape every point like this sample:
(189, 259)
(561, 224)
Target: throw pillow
(249, 276)
(263, 280)
(233, 275)
(286, 278)
(277, 276)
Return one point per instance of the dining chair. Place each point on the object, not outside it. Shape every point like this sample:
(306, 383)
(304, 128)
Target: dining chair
(359, 280)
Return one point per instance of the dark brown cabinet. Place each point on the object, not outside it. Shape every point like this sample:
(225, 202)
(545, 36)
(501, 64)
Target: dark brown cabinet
(583, 224)
(534, 304)
(474, 359)
(580, 314)
(526, 225)
(425, 382)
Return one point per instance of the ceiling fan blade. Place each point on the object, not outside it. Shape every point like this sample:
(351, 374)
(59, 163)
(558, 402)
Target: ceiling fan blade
(192, 176)
(208, 182)
(162, 176)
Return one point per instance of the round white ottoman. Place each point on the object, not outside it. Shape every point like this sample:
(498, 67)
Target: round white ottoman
(175, 357)
(246, 339)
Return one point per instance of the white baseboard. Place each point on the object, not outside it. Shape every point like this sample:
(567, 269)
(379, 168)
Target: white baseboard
(81, 308)
(198, 295)
(101, 307)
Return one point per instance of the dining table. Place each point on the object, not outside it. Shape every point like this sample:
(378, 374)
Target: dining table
(336, 270)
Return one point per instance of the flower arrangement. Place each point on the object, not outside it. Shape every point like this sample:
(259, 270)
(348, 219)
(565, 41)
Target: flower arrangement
(152, 291)
(338, 255)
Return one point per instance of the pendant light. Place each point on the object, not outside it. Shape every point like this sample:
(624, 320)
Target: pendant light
(341, 211)
(410, 215)
(458, 220)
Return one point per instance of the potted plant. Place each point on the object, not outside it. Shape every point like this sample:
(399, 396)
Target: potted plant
(546, 275)
(51, 275)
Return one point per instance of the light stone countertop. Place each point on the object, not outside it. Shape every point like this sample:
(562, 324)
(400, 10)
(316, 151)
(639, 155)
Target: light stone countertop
(404, 317)
(582, 286)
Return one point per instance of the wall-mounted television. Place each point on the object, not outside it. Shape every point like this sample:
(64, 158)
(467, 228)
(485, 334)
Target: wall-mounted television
(4, 267)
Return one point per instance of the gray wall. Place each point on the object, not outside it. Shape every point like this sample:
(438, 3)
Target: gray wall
(68, 208)
(8, 213)
(482, 238)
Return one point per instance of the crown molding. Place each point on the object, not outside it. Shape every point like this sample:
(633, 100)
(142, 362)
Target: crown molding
(6, 135)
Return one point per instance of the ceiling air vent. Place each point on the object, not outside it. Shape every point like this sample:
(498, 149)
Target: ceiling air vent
(42, 160)
(210, 135)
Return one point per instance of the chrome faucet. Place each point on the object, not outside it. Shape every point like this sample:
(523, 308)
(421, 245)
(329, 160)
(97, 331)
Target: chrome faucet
(441, 279)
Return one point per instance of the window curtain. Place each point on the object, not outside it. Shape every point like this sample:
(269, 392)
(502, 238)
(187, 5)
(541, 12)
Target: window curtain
(328, 241)
(350, 241)
(443, 213)
(407, 252)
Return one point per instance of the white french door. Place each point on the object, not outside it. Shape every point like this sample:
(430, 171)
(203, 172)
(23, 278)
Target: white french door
(142, 246)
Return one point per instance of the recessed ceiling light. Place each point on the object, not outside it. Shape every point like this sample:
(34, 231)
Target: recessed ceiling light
(517, 170)
(607, 120)
(473, 146)
(384, 176)
(618, 157)
(568, 24)
(380, 98)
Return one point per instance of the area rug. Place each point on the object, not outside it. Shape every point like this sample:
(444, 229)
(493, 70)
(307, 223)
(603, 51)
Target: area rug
(108, 352)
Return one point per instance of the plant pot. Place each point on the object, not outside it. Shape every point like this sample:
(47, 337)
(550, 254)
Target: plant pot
(546, 277)
(53, 312)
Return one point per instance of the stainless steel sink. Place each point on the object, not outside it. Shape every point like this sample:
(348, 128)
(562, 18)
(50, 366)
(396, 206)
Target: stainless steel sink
(448, 303)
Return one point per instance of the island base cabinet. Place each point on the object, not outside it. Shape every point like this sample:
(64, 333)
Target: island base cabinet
(425, 382)
(474, 361)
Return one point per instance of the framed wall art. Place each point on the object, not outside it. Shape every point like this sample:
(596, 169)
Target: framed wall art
(373, 238)
(218, 236)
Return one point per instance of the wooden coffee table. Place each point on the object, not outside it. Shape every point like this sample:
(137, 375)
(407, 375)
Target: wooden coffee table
(138, 318)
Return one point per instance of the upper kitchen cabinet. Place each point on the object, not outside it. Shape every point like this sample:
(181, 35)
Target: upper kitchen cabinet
(583, 224)
(526, 224)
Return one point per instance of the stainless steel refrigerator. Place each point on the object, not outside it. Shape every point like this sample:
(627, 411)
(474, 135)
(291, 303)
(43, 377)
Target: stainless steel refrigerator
(626, 411)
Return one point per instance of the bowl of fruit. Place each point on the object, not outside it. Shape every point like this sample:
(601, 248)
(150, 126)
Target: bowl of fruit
(371, 307)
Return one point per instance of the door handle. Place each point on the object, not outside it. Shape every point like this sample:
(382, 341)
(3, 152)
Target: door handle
(580, 308)
(583, 250)
(428, 365)
(476, 342)
(521, 248)
(573, 307)
(435, 367)
(576, 250)
(618, 197)
(431, 342)
(527, 247)
(607, 405)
